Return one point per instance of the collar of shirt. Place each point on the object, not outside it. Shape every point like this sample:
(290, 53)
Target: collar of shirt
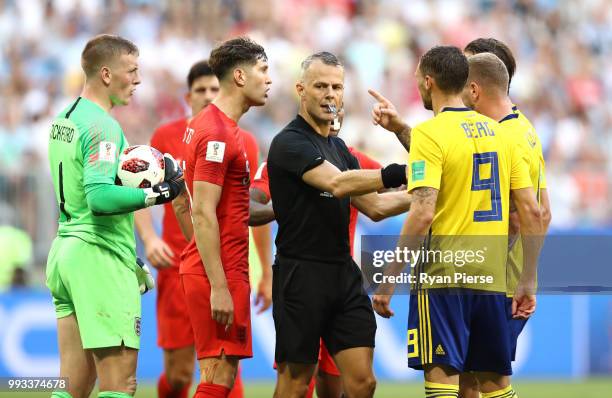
(508, 117)
(300, 124)
(451, 109)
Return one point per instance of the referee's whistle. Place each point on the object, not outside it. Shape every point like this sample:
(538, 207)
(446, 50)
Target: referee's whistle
(332, 109)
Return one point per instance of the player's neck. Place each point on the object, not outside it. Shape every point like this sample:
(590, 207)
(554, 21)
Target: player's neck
(497, 108)
(323, 129)
(441, 101)
(97, 96)
(234, 106)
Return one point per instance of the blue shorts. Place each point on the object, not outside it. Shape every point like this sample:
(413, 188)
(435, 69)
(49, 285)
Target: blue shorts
(461, 328)
(516, 327)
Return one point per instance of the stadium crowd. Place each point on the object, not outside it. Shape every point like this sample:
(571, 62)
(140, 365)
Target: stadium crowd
(563, 82)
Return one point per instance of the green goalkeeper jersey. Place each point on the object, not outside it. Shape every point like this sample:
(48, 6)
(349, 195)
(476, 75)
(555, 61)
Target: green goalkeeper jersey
(84, 147)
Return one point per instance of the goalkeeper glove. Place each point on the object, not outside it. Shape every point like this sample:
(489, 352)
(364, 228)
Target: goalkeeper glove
(172, 170)
(144, 277)
(170, 188)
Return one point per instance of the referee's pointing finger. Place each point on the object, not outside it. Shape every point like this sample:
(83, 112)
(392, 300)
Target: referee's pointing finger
(377, 96)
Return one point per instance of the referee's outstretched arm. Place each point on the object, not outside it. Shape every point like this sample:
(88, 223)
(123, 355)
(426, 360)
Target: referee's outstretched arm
(326, 177)
(329, 178)
(362, 181)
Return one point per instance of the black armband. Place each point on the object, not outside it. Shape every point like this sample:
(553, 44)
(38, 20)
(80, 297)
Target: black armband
(394, 175)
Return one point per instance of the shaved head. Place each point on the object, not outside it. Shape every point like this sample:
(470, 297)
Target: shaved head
(321, 88)
(325, 57)
(489, 72)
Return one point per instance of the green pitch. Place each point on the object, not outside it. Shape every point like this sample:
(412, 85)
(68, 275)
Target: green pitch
(590, 388)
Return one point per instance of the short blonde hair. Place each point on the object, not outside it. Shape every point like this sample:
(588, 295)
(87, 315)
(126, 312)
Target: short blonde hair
(488, 71)
(104, 49)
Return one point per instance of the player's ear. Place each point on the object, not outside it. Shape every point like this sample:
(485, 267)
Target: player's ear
(474, 90)
(105, 75)
(188, 98)
(428, 82)
(239, 77)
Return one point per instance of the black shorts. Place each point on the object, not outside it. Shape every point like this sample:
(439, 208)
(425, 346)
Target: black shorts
(319, 300)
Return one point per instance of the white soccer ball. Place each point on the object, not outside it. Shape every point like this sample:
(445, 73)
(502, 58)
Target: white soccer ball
(140, 166)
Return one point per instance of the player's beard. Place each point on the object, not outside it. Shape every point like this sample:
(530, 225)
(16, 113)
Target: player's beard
(426, 97)
(427, 103)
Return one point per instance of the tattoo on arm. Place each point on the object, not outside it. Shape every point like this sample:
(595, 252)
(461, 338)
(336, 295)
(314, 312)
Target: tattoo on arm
(425, 196)
(404, 137)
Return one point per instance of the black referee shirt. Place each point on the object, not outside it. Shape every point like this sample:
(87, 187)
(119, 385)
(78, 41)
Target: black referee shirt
(312, 224)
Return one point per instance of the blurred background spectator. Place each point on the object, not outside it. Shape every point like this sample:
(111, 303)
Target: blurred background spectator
(563, 81)
(16, 249)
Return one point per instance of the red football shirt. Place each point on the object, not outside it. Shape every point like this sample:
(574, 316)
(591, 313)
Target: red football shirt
(365, 162)
(168, 138)
(215, 152)
(252, 151)
(261, 182)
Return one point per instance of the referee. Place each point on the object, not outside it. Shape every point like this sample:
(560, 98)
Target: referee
(317, 287)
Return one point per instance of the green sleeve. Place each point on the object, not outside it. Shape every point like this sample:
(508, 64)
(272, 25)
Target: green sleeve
(101, 145)
(107, 199)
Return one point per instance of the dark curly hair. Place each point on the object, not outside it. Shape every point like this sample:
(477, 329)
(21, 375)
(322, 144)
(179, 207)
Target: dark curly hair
(231, 53)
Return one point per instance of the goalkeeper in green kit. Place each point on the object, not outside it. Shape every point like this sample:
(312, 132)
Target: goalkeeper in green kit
(92, 271)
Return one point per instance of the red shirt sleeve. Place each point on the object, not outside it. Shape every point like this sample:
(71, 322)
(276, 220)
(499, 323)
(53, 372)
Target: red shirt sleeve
(365, 161)
(215, 151)
(252, 151)
(261, 180)
(157, 140)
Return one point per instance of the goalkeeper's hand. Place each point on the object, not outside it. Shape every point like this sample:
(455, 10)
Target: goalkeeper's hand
(144, 277)
(172, 170)
(170, 188)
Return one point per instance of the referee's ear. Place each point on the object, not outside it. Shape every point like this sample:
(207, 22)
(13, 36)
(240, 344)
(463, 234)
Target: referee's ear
(299, 88)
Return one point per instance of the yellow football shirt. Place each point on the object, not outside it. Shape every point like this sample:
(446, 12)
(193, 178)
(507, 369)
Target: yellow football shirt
(522, 128)
(474, 163)
(537, 166)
